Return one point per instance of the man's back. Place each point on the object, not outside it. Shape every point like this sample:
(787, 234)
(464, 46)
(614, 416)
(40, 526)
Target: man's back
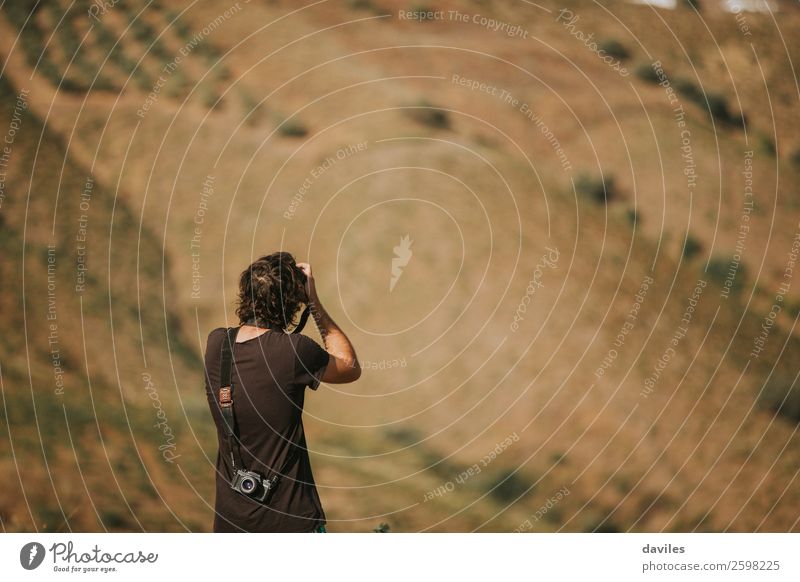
(270, 373)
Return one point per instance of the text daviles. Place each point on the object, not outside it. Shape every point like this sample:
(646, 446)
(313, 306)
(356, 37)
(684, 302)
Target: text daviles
(665, 549)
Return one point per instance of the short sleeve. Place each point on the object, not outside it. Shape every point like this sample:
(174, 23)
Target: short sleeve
(310, 363)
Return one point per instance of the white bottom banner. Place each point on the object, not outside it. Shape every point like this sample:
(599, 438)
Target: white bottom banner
(356, 557)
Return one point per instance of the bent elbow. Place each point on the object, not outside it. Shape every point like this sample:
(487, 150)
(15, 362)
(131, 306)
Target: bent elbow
(355, 373)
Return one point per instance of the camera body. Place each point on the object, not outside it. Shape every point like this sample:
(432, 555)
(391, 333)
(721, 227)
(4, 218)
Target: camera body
(252, 485)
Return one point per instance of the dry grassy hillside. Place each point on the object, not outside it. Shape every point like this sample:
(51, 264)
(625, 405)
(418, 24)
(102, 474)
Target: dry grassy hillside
(540, 188)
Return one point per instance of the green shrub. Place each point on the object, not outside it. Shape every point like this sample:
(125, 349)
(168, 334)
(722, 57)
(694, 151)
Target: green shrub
(593, 522)
(158, 50)
(422, 10)
(689, 90)
(406, 436)
(781, 395)
(795, 158)
(646, 73)
(791, 307)
(691, 247)
(601, 190)
(176, 85)
(616, 49)
(360, 4)
(142, 31)
(50, 72)
(508, 487)
(69, 85)
(714, 103)
(430, 115)
(32, 43)
(252, 109)
(767, 145)
(208, 96)
(179, 26)
(719, 269)
(292, 128)
(142, 80)
(70, 43)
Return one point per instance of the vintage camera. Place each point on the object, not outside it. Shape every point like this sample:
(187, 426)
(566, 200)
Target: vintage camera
(252, 485)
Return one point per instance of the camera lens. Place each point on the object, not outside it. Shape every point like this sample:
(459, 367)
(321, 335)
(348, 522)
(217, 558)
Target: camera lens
(248, 484)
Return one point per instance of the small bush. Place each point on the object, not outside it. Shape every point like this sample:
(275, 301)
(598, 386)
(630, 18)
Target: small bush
(407, 436)
(292, 128)
(691, 247)
(158, 50)
(795, 158)
(508, 487)
(422, 11)
(142, 80)
(176, 85)
(616, 49)
(72, 86)
(142, 31)
(430, 115)
(70, 42)
(767, 145)
(714, 103)
(646, 73)
(791, 307)
(222, 73)
(252, 109)
(601, 190)
(595, 523)
(179, 26)
(50, 72)
(208, 96)
(689, 90)
(360, 4)
(720, 269)
(781, 395)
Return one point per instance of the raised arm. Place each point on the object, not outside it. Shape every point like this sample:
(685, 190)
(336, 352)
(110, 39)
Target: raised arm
(343, 366)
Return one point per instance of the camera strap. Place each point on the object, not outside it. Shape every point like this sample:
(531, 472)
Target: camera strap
(225, 396)
(225, 402)
(303, 319)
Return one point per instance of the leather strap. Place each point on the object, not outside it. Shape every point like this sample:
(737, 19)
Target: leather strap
(225, 396)
(303, 319)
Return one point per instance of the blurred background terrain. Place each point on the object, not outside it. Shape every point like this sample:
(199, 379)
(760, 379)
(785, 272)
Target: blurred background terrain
(561, 236)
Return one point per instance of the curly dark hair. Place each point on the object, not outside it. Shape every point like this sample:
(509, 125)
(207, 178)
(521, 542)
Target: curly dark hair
(272, 290)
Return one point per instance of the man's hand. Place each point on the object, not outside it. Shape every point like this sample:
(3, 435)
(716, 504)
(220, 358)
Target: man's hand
(311, 288)
(343, 365)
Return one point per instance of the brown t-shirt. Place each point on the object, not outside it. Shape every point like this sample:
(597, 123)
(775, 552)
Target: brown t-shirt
(269, 373)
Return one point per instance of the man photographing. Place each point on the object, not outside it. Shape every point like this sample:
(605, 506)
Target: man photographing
(256, 376)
